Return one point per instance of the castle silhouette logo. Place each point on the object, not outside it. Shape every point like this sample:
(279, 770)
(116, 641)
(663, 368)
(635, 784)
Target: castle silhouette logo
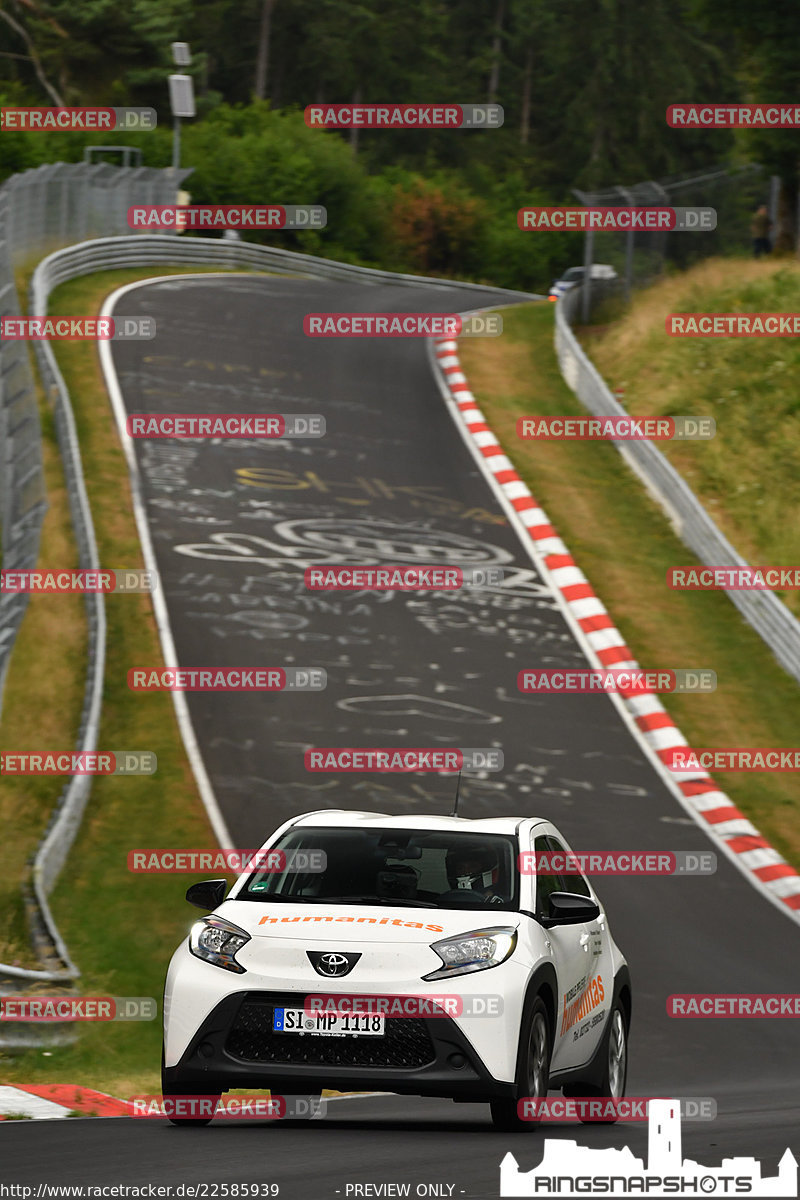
(568, 1169)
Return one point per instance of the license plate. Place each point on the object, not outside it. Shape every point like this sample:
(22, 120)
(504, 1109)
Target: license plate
(295, 1020)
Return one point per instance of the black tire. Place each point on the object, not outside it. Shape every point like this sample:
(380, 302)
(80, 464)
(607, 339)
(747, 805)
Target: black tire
(169, 1091)
(615, 1065)
(533, 1070)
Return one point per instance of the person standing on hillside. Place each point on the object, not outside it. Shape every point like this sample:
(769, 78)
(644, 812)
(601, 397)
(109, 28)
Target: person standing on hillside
(759, 228)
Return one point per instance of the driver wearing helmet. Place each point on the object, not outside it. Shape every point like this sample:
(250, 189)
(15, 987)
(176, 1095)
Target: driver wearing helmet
(475, 869)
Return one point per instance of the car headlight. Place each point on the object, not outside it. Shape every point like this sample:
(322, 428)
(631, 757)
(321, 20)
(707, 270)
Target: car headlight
(475, 951)
(216, 941)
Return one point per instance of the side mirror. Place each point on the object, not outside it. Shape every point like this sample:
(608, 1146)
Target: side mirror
(208, 895)
(568, 908)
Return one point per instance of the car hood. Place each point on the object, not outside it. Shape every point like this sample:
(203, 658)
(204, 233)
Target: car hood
(359, 922)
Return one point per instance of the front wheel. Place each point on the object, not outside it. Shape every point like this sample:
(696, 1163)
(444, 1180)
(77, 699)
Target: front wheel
(195, 1110)
(533, 1071)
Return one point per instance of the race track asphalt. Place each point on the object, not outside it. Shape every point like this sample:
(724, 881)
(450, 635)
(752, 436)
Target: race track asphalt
(234, 524)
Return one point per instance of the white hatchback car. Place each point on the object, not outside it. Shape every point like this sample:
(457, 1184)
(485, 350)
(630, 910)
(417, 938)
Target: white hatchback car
(573, 277)
(503, 983)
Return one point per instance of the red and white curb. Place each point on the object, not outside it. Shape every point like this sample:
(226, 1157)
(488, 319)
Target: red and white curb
(603, 645)
(52, 1101)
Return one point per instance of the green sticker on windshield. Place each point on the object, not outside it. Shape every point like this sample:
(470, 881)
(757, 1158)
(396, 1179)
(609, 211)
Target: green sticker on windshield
(259, 887)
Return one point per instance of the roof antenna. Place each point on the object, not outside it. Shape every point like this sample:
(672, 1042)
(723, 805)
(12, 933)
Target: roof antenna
(454, 813)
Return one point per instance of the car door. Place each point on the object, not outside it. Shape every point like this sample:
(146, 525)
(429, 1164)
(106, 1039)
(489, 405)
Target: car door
(584, 1017)
(567, 947)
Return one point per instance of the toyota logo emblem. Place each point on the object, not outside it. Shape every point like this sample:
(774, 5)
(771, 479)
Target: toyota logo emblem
(332, 963)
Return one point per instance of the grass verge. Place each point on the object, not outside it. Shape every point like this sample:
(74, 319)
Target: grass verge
(624, 545)
(120, 928)
(748, 476)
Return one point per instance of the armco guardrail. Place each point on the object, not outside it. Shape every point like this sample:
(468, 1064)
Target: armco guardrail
(82, 259)
(52, 205)
(763, 610)
(150, 249)
(22, 489)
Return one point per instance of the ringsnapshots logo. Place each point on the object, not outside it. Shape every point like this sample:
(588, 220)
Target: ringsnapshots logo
(567, 1169)
(615, 429)
(354, 578)
(78, 1008)
(88, 762)
(632, 681)
(402, 761)
(50, 119)
(618, 862)
(184, 861)
(225, 425)
(78, 329)
(229, 1107)
(404, 116)
(618, 219)
(727, 325)
(227, 216)
(413, 325)
(228, 679)
(78, 582)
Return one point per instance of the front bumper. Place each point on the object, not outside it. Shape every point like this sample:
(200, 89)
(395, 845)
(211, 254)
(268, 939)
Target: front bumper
(236, 1048)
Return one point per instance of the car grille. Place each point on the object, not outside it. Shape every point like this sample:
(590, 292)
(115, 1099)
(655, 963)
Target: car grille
(406, 1042)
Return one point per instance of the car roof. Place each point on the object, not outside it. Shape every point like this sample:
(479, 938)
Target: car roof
(347, 818)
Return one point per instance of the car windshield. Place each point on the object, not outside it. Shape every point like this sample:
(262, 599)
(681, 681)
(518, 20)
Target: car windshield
(572, 273)
(408, 868)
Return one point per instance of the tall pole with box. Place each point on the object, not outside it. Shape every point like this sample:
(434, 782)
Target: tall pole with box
(181, 98)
